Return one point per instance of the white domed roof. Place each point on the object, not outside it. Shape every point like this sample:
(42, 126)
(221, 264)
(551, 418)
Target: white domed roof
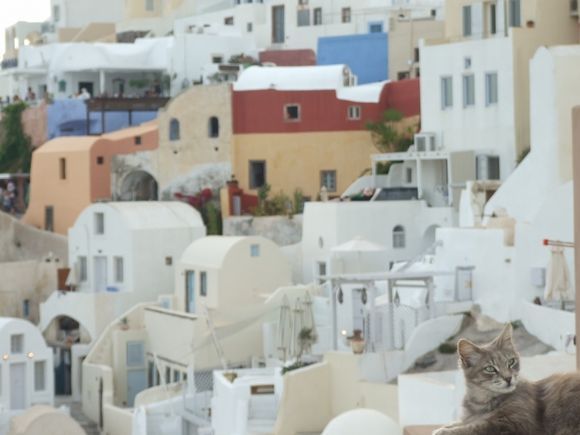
(362, 421)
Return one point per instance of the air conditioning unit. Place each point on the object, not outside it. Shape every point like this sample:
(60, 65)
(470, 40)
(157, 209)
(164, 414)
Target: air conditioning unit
(425, 142)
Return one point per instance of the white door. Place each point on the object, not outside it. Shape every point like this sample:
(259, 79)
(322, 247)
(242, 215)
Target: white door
(18, 386)
(100, 269)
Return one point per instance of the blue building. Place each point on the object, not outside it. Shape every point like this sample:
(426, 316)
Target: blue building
(367, 55)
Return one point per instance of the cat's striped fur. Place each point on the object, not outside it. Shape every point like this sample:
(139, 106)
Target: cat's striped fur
(498, 402)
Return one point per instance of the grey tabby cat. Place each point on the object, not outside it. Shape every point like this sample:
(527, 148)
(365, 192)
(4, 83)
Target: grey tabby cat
(498, 401)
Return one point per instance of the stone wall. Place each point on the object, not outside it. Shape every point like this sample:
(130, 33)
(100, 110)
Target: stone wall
(281, 229)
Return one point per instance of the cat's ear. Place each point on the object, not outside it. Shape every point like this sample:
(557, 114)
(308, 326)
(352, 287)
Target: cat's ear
(469, 353)
(504, 339)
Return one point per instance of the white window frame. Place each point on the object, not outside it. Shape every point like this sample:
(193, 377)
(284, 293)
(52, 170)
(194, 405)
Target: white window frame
(83, 268)
(354, 113)
(254, 250)
(468, 81)
(119, 269)
(491, 88)
(324, 174)
(203, 283)
(287, 117)
(467, 21)
(149, 5)
(99, 219)
(446, 92)
(17, 344)
(40, 382)
(399, 237)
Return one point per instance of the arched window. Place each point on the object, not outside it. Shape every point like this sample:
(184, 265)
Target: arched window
(213, 127)
(399, 237)
(174, 133)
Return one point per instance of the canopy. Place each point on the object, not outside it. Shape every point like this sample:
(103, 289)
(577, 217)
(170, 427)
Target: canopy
(359, 244)
(558, 281)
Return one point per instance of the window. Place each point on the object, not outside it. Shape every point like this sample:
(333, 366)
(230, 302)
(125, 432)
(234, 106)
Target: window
(487, 167)
(100, 160)
(416, 55)
(375, 27)
(257, 173)
(255, 250)
(99, 223)
(149, 5)
(168, 261)
(138, 140)
(317, 16)
(26, 308)
(399, 237)
(49, 218)
(321, 272)
(303, 17)
(467, 62)
(466, 20)
(176, 375)
(174, 133)
(152, 374)
(353, 112)
(83, 273)
(167, 375)
(217, 58)
(346, 15)
(278, 24)
(403, 75)
(203, 283)
(249, 27)
(409, 173)
(56, 13)
(292, 112)
(213, 127)
(328, 180)
(229, 21)
(190, 291)
(468, 90)
(62, 86)
(446, 92)
(119, 270)
(135, 354)
(62, 168)
(492, 19)
(491, 96)
(39, 375)
(515, 13)
(17, 343)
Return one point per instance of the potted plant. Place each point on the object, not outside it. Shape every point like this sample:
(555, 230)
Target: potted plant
(357, 342)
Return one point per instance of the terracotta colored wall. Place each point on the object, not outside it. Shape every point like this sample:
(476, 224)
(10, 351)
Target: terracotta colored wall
(263, 111)
(68, 197)
(86, 180)
(403, 95)
(289, 57)
(101, 174)
(34, 122)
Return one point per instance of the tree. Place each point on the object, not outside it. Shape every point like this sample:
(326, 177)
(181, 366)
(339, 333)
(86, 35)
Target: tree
(386, 136)
(15, 145)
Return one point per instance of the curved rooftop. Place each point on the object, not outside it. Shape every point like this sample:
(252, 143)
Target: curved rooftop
(145, 215)
(212, 251)
(292, 78)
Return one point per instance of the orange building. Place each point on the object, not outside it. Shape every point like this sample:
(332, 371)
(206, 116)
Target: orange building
(69, 173)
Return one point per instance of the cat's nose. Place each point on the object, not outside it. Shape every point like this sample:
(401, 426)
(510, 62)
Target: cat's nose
(508, 380)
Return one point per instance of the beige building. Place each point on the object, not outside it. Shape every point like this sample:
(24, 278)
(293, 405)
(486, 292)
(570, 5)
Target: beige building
(405, 32)
(195, 136)
(475, 82)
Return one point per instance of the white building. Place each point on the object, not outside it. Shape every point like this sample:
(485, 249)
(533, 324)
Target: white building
(26, 368)
(121, 254)
(475, 83)
(289, 24)
(224, 272)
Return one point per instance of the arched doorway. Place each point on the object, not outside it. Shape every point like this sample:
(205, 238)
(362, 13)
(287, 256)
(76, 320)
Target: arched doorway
(62, 333)
(139, 186)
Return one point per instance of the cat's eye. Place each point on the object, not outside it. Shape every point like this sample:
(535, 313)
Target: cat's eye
(512, 362)
(490, 369)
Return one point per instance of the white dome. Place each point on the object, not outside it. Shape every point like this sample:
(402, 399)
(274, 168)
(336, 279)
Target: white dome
(362, 421)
